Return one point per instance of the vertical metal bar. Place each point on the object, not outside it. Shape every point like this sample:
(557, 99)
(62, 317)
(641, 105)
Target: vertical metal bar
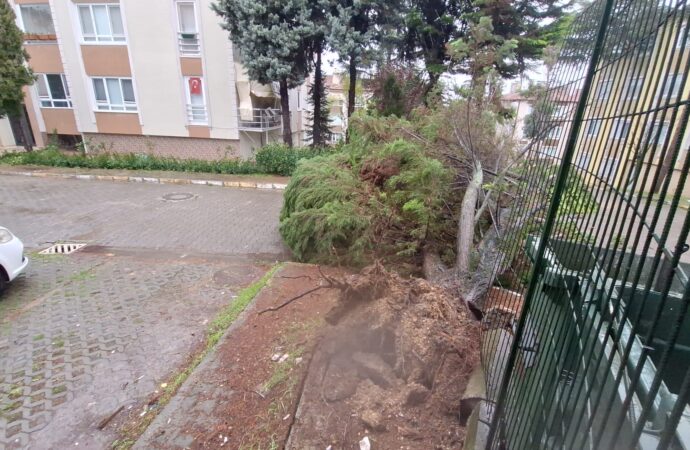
(551, 216)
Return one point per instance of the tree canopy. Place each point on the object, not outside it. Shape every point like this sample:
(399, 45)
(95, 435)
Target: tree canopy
(14, 74)
(431, 25)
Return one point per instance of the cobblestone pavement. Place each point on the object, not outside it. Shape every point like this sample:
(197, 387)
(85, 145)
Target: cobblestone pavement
(200, 219)
(84, 334)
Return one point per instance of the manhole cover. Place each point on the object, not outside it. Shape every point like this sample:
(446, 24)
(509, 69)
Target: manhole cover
(178, 197)
(62, 249)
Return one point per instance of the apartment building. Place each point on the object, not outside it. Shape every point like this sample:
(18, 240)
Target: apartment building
(627, 124)
(155, 76)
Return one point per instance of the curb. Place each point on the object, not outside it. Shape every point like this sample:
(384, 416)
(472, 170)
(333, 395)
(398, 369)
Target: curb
(152, 180)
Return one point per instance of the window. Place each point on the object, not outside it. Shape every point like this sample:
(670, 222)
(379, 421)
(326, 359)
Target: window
(593, 127)
(560, 111)
(188, 33)
(554, 132)
(634, 88)
(53, 91)
(604, 90)
(550, 150)
(608, 169)
(114, 94)
(621, 128)
(37, 19)
(583, 161)
(680, 39)
(101, 23)
(196, 102)
(660, 129)
(671, 86)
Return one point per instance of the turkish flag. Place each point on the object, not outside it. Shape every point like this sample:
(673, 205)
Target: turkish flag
(195, 86)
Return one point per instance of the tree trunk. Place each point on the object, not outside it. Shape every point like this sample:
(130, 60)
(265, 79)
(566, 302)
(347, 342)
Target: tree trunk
(316, 131)
(352, 89)
(26, 130)
(285, 106)
(466, 221)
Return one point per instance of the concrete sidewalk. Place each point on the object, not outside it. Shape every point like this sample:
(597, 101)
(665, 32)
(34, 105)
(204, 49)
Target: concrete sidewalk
(155, 177)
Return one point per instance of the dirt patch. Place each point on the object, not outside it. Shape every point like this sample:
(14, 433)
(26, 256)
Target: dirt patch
(392, 368)
(245, 394)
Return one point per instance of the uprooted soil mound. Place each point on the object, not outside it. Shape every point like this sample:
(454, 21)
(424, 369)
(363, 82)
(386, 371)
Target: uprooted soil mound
(393, 368)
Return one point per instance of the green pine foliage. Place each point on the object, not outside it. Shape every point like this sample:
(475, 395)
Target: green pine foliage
(372, 200)
(324, 117)
(14, 74)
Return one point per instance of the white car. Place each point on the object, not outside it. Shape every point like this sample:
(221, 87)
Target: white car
(12, 259)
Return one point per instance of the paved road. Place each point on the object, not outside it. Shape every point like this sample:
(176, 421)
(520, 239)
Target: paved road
(85, 334)
(202, 219)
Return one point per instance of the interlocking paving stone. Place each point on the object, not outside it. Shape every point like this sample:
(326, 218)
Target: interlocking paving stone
(84, 334)
(216, 220)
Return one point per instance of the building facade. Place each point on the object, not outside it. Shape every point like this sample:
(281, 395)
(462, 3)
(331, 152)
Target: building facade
(157, 76)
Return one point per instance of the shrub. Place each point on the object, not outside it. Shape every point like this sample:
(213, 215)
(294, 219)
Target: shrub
(53, 157)
(369, 201)
(279, 159)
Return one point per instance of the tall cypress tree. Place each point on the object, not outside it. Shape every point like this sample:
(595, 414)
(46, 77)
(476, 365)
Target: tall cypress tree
(319, 127)
(274, 38)
(14, 74)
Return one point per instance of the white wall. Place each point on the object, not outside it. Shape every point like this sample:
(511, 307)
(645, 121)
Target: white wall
(68, 32)
(219, 71)
(151, 33)
(6, 135)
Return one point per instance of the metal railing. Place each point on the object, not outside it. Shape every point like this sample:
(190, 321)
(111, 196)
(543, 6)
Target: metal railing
(197, 114)
(258, 119)
(596, 353)
(189, 44)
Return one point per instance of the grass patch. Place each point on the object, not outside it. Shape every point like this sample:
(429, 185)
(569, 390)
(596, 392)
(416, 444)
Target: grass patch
(59, 389)
(15, 392)
(11, 406)
(84, 275)
(215, 331)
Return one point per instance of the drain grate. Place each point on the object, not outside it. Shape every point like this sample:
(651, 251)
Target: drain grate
(62, 249)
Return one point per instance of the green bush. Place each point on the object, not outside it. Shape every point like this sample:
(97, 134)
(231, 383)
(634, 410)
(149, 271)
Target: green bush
(368, 201)
(274, 159)
(279, 159)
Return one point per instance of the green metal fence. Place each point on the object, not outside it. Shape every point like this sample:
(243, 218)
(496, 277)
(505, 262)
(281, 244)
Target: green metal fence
(586, 342)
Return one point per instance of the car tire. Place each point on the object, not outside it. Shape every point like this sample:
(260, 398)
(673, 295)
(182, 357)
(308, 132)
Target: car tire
(3, 280)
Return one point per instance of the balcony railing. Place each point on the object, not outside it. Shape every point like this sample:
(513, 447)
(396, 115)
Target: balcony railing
(189, 44)
(259, 119)
(197, 114)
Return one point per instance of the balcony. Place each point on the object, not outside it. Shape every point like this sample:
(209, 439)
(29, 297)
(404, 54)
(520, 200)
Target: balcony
(189, 44)
(259, 119)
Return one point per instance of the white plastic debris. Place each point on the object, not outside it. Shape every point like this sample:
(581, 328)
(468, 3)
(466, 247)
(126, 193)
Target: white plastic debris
(283, 358)
(275, 357)
(364, 444)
